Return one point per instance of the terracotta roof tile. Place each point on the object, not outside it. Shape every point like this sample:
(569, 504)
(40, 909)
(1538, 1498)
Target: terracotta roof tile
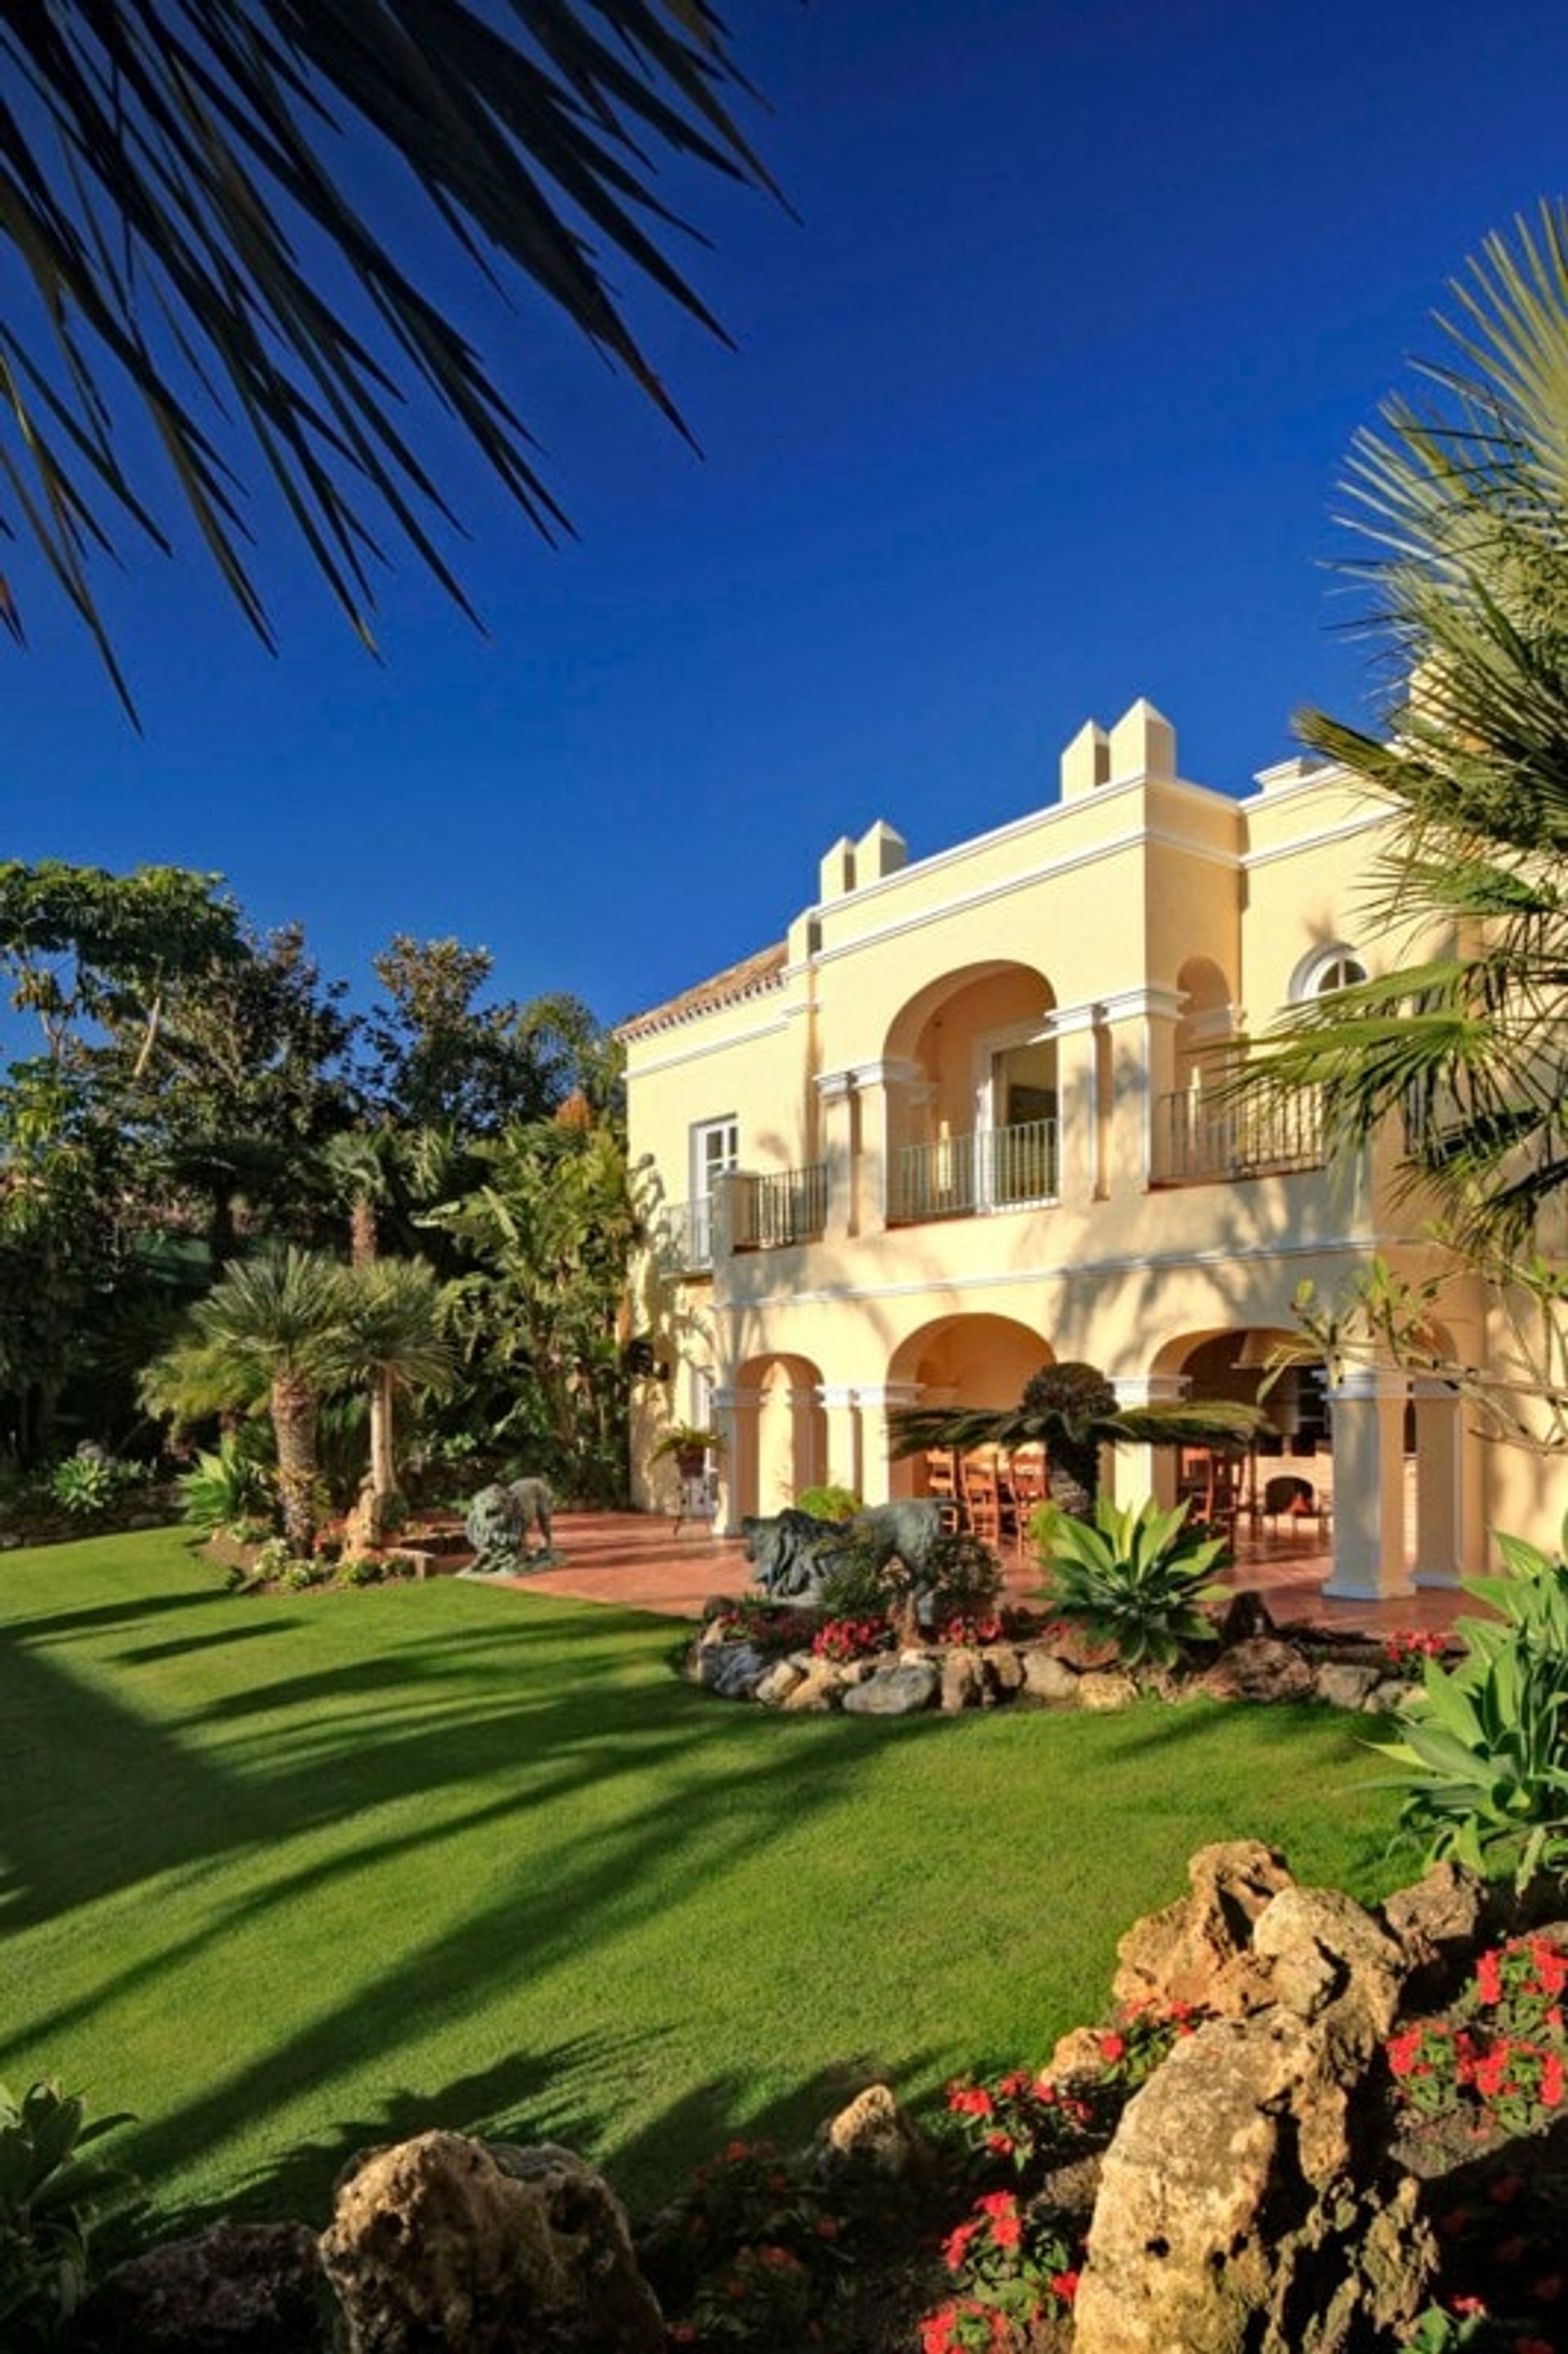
(752, 977)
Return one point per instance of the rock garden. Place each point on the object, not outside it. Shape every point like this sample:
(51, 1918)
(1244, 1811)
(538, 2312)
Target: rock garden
(1301, 2124)
(842, 1620)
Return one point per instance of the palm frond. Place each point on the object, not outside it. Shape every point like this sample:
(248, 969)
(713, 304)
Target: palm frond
(176, 180)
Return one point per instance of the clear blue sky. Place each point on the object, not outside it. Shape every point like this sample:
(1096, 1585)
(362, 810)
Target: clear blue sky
(1039, 406)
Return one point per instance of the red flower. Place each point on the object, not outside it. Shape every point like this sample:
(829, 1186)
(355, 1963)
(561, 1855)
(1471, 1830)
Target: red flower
(969, 2101)
(1489, 1979)
(827, 2227)
(735, 2150)
(1112, 2048)
(1469, 2304)
(1065, 2285)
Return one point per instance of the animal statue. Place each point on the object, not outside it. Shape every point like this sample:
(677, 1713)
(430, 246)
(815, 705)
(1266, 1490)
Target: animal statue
(792, 1552)
(907, 1530)
(498, 1518)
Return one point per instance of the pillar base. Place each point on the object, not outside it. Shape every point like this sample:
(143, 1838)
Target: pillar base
(1443, 1581)
(1341, 1588)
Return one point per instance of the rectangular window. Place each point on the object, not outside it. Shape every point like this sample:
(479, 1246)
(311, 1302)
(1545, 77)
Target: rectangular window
(715, 1151)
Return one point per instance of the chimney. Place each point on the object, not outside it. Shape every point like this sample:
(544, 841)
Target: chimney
(1086, 763)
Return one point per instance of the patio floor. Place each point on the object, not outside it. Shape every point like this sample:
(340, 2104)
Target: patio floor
(642, 1561)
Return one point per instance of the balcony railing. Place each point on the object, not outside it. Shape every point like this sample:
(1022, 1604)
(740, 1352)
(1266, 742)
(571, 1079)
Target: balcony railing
(772, 1212)
(1198, 1140)
(682, 1239)
(959, 1176)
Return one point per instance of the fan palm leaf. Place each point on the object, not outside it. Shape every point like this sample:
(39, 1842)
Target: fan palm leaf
(178, 184)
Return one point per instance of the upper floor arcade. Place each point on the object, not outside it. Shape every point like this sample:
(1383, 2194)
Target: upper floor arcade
(1034, 1024)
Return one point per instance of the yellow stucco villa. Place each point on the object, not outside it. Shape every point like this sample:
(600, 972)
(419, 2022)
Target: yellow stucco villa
(961, 1120)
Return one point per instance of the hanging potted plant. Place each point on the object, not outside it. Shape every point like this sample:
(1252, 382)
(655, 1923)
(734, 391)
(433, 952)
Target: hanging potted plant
(691, 1447)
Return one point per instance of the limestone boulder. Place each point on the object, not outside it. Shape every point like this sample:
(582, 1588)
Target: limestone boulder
(1177, 1955)
(961, 1681)
(1106, 1689)
(783, 1678)
(253, 2288)
(1003, 1669)
(442, 2245)
(1049, 1678)
(1226, 2219)
(872, 2136)
(821, 1687)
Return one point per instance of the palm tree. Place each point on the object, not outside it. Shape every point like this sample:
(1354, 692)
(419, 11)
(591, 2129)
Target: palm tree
(1465, 504)
(359, 1165)
(278, 1321)
(1071, 1410)
(392, 1337)
(176, 158)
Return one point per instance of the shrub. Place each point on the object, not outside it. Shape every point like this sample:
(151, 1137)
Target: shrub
(857, 1585)
(1135, 1577)
(298, 1576)
(1484, 1757)
(359, 1569)
(50, 2195)
(828, 1502)
(225, 1489)
(766, 1625)
(966, 1578)
(844, 1639)
(87, 1482)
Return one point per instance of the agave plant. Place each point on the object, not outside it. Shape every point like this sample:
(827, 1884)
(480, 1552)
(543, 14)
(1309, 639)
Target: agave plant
(49, 2195)
(228, 1486)
(1484, 1754)
(1135, 1576)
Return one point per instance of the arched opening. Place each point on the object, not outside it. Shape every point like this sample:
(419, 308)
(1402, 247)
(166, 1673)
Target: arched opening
(962, 1361)
(974, 1110)
(780, 1434)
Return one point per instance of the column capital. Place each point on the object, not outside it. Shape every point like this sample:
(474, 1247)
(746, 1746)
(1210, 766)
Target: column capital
(727, 1395)
(890, 1394)
(887, 1071)
(834, 1087)
(1151, 1001)
(836, 1394)
(1150, 1389)
(1369, 1383)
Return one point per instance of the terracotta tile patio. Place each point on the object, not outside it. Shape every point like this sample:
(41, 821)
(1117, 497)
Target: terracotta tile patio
(643, 1562)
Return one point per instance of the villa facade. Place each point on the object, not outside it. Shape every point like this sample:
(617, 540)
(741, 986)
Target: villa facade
(963, 1118)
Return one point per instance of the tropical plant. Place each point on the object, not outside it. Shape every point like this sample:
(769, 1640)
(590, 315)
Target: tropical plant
(1461, 1053)
(828, 1502)
(1483, 1755)
(275, 1322)
(226, 1488)
(85, 1483)
(1136, 1577)
(1071, 1410)
(49, 2194)
(690, 1438)
(194, 142)
(392, 1337)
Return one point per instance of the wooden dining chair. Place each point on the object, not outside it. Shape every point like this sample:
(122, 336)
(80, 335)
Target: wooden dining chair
(982, 1495)
(942, 1483)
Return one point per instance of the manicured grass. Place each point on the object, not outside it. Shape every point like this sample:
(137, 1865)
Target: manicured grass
(290, 1876)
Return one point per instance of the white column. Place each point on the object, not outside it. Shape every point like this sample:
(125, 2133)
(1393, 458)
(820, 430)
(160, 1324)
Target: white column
(735, 1469)
(1368, 1405)
(1439, 1510)
(1078, 1172)
(1139, 1469)
(879, 1473)
(843, 1469)
(835, 1095)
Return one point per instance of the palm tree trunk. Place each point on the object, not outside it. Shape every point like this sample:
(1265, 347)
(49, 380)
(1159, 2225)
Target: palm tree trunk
(1074, 1478)
(364, 1231)
(383, 1463)
(295, 1413)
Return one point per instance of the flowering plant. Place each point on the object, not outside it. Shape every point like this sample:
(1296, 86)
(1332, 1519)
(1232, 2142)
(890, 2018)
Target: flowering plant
(1013, 2267)
(759, 2252)
(1408, 1646)
(1022, 2118)
(766, 1625)
(1504, 2055)
(844, 1639)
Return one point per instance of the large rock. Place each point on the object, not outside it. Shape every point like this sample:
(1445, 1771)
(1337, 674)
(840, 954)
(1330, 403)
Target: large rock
(1439, 1925)
(894, 1691)
(1226, 2220)
(1176, 1956)
(1047, 1677)
(1003, 1669)
(1106, 1689)
(1344, 1684)
(872, 2136)
(1326, 1958)
(441, 2245)
(780, 1680)
(821, 1687)
(252, 2288)
(733, 1670)
(1260, 1669)
(961, 1681)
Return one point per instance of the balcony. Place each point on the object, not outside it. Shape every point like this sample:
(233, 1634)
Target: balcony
(771, 1213)
(1199, 1140)
(964, 1176)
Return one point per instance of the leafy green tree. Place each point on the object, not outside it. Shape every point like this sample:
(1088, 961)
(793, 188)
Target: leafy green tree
(1070, 1409)
(83, 946)
(441, 1057)
(548, 1232)
(186, 194)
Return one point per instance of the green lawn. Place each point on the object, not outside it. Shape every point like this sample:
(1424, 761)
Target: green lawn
(288, 1876)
